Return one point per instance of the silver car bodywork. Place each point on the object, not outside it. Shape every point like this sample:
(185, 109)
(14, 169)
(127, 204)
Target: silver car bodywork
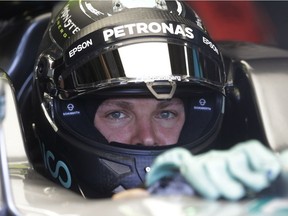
(25, 192)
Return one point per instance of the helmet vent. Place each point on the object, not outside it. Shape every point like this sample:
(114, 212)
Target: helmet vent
(119, 169)
(158, 85)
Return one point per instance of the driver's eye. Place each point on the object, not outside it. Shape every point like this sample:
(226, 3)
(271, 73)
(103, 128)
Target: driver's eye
(166, 115)
(116, 115)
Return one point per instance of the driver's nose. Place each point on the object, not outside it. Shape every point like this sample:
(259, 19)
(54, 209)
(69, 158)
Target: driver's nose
(145, 134)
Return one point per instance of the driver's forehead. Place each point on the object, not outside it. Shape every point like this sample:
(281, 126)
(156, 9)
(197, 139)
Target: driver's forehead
(141, 102)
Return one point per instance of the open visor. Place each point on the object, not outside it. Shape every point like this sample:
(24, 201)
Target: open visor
(203, 113)
(145, 62)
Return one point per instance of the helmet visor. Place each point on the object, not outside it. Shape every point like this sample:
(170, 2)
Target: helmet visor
(146, 62)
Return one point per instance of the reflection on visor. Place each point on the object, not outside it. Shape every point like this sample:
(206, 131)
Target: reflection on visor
(146, 62)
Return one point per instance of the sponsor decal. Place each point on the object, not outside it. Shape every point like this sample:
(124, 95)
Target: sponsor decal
(54, 166)
(80, 47)
(209, 43)
(65, 24)
(202, 105)
(199, 21)
(92, 9)
(71, 110)
(147, 28)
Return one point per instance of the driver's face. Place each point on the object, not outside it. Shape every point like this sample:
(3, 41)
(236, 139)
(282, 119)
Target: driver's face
(141, 121)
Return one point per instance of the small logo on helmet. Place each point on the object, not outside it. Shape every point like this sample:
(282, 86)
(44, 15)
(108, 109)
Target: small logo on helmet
(70, 107)
(80, 47)
(209, 43)
(71, 110)
(202, 102)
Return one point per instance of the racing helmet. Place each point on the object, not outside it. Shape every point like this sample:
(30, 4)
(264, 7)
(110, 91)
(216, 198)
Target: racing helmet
(95, 50)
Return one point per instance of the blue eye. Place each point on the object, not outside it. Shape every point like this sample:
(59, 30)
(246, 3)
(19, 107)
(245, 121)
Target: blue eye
(116, 115)
(166, 115)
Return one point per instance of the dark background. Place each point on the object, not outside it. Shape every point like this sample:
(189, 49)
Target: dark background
(277, 11)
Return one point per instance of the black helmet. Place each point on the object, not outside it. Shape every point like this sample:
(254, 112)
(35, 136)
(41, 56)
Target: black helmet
(94, 50)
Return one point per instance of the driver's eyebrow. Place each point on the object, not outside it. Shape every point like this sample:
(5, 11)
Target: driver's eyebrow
(130, 105)
(119, 103)
(167, 103)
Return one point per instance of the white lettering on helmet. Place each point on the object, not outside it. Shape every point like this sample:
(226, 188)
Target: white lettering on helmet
(67, 21)
(212, 46)
(80, 47)
(141, 28)
(144, 28)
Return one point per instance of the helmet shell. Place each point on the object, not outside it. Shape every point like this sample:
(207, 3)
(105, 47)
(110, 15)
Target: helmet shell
(68, 148)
